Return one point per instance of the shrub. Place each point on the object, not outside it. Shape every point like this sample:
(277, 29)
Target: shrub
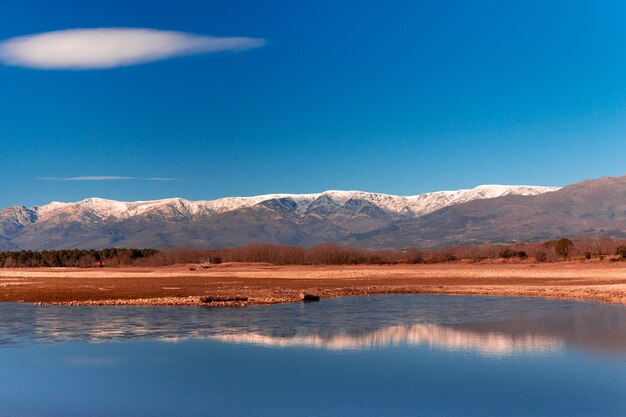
(416, 259)
(563, 247)
(510, 253)
(449, 257)
(376, 260)
(507, 253)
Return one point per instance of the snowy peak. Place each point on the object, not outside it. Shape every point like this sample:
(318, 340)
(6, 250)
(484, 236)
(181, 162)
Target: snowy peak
(99, 210)
(422, 204)
(592, 208)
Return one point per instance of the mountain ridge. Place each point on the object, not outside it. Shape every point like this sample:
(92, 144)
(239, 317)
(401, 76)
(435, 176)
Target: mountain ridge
(277, 218)
(592, 208)
(484, 214)
(419, 203)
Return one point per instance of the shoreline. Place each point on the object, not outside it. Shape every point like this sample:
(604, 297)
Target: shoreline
(264, 284)
(195, 300)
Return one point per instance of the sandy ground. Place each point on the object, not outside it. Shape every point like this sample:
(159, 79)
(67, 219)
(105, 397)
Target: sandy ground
(266, 284)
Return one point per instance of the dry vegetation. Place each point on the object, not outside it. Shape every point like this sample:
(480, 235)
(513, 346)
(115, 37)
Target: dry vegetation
(584, 249)
(263, 274)
(327, 254)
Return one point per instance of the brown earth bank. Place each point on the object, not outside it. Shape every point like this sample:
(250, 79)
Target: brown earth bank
(268, 284)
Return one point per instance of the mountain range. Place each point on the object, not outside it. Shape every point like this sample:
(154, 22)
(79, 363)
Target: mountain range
(487, 213)
(593, 208)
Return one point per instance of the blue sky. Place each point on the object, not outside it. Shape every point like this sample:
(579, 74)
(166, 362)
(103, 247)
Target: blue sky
(398, 97)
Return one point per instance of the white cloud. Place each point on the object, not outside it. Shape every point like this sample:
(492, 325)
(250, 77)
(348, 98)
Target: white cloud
(98, 178)
(111, 47)
(88, 178)
(106, 178)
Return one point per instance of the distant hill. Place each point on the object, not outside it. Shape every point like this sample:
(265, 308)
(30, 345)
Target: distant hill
(593, 208)
(291, 219)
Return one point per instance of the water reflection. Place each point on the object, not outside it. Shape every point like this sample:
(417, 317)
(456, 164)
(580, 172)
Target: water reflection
(433, 335)
(487, 325)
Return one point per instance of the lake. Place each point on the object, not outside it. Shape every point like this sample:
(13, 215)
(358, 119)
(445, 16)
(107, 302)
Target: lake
(394, 355)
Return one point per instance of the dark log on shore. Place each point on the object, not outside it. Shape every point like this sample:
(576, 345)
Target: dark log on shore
(217, 299)
(309, 297)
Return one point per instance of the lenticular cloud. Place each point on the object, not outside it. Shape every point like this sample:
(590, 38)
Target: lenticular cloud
(111, 47)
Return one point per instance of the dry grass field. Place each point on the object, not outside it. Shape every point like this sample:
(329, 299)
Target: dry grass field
(266, 284)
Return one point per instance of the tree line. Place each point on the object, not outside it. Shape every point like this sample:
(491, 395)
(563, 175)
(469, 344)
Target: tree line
(81, 258)
(328, 254)
(325, 254)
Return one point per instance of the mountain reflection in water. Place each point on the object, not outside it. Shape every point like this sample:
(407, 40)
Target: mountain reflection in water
(487, 325)
(419, 334)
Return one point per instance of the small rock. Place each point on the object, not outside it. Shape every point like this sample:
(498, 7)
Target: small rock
(309, 297)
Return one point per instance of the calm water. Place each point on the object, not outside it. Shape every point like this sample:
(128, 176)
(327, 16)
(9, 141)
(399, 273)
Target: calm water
(401, 355)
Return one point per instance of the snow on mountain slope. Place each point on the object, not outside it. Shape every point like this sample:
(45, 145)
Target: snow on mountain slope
(13, 218)
(422, 204)
(99, 210)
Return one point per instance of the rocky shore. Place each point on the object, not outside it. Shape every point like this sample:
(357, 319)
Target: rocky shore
(261, 284)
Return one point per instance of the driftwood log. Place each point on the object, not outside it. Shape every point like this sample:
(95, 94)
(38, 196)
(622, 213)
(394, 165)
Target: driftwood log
(309, 297)
(217, 299)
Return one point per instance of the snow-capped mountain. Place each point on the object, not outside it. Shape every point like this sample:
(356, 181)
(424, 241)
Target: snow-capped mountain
(594, 208)
(416, 205)
(277, 218)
